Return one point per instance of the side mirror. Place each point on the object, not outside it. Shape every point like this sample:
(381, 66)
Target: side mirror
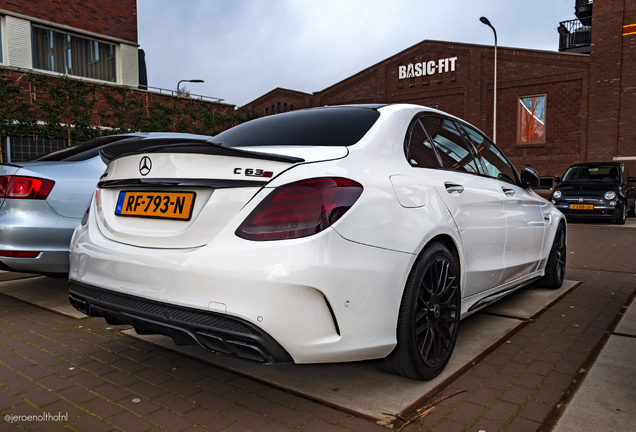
(557, 180)
(631, 180)
(529, 177)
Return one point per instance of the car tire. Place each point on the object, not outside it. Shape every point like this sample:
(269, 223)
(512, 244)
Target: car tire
(428, 322)
(623, 216)
(555, 267)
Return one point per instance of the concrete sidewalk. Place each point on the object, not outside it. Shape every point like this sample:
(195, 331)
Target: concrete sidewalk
(606, 399)
(104, 380)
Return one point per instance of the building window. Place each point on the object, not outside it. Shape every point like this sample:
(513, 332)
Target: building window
(531, 120)
(73, 55)
(273, 112)
(285, 107)
(266, 111)
(1, 38)
(291, 107)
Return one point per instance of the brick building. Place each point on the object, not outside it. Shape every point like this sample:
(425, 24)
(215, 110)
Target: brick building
(93, 42)
(83, 38)
(553, 108)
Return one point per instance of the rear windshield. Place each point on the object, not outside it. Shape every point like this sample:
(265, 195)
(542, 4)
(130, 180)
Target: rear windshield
(587, 173)
(333, 126)
(83, 151)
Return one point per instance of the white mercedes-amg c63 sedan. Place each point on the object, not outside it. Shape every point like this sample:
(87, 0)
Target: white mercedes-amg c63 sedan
(322, 235)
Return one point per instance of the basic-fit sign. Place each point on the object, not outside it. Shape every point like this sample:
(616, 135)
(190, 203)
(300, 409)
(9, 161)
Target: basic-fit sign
(427, 68)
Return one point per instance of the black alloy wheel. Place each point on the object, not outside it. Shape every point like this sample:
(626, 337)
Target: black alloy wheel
(555, 267)
(623, 215)
(429, 316)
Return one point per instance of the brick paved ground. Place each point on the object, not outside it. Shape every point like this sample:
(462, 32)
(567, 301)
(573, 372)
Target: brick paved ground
(518, 386)
(107, 381)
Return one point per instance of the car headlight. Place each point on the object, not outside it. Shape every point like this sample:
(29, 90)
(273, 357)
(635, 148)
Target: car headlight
(556, 194)
(610, 195)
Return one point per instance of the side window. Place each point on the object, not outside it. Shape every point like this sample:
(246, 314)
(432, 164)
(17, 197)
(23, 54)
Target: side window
(495, 162)
(420, 150)
(451, 147)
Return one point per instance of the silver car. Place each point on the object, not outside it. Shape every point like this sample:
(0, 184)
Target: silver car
(41, 203)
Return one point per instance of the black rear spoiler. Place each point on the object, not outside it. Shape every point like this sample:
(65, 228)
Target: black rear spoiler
(180, 145)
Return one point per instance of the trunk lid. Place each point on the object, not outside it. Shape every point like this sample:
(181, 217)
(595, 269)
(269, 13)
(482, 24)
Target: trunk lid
(201, 186)
(74, 182)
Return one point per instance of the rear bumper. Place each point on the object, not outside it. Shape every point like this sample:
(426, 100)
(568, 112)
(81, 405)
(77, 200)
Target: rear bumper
(321, 298)
(213, 331)
(33, 226)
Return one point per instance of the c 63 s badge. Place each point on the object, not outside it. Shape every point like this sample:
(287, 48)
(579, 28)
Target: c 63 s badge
(252, 172)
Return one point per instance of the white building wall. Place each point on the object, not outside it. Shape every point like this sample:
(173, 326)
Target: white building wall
(17, 50)
(128, 73)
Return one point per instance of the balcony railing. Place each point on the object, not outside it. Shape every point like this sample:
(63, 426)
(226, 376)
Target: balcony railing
(181, 94)
(575, 35)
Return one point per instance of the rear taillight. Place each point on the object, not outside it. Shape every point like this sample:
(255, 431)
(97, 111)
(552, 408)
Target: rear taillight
(25, 187)
(300, 209)
(18, 254)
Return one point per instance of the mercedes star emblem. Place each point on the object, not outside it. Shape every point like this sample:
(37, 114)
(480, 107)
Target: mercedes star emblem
(145, 164)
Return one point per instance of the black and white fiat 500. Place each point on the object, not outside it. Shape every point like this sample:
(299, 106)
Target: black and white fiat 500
(596, 190)
(323, 235)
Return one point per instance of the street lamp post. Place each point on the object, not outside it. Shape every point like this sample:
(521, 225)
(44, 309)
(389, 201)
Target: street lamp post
(193, 81)
(494, 102)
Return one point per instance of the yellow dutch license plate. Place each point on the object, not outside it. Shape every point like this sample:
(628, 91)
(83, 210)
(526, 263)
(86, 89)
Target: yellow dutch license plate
(162, 205)
(581, 207)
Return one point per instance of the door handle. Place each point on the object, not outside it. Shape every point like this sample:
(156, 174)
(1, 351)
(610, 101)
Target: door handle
(508, 192)
(452, 187)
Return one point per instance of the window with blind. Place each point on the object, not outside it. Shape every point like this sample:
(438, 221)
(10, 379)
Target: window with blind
(1, 38)
(73, 55)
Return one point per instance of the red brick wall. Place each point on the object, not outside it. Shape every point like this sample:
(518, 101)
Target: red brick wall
(467, 93)
(286, 99)
(564, 131)
(605, 79)
(102, 109)
(116, 18)
(627, 100)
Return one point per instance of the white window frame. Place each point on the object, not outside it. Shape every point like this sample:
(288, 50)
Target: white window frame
(3, 41)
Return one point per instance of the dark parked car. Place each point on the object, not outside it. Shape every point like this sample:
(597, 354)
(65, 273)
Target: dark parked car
(598, 190)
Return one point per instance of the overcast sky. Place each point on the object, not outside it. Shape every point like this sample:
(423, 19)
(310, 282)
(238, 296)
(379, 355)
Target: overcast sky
(244, 48)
